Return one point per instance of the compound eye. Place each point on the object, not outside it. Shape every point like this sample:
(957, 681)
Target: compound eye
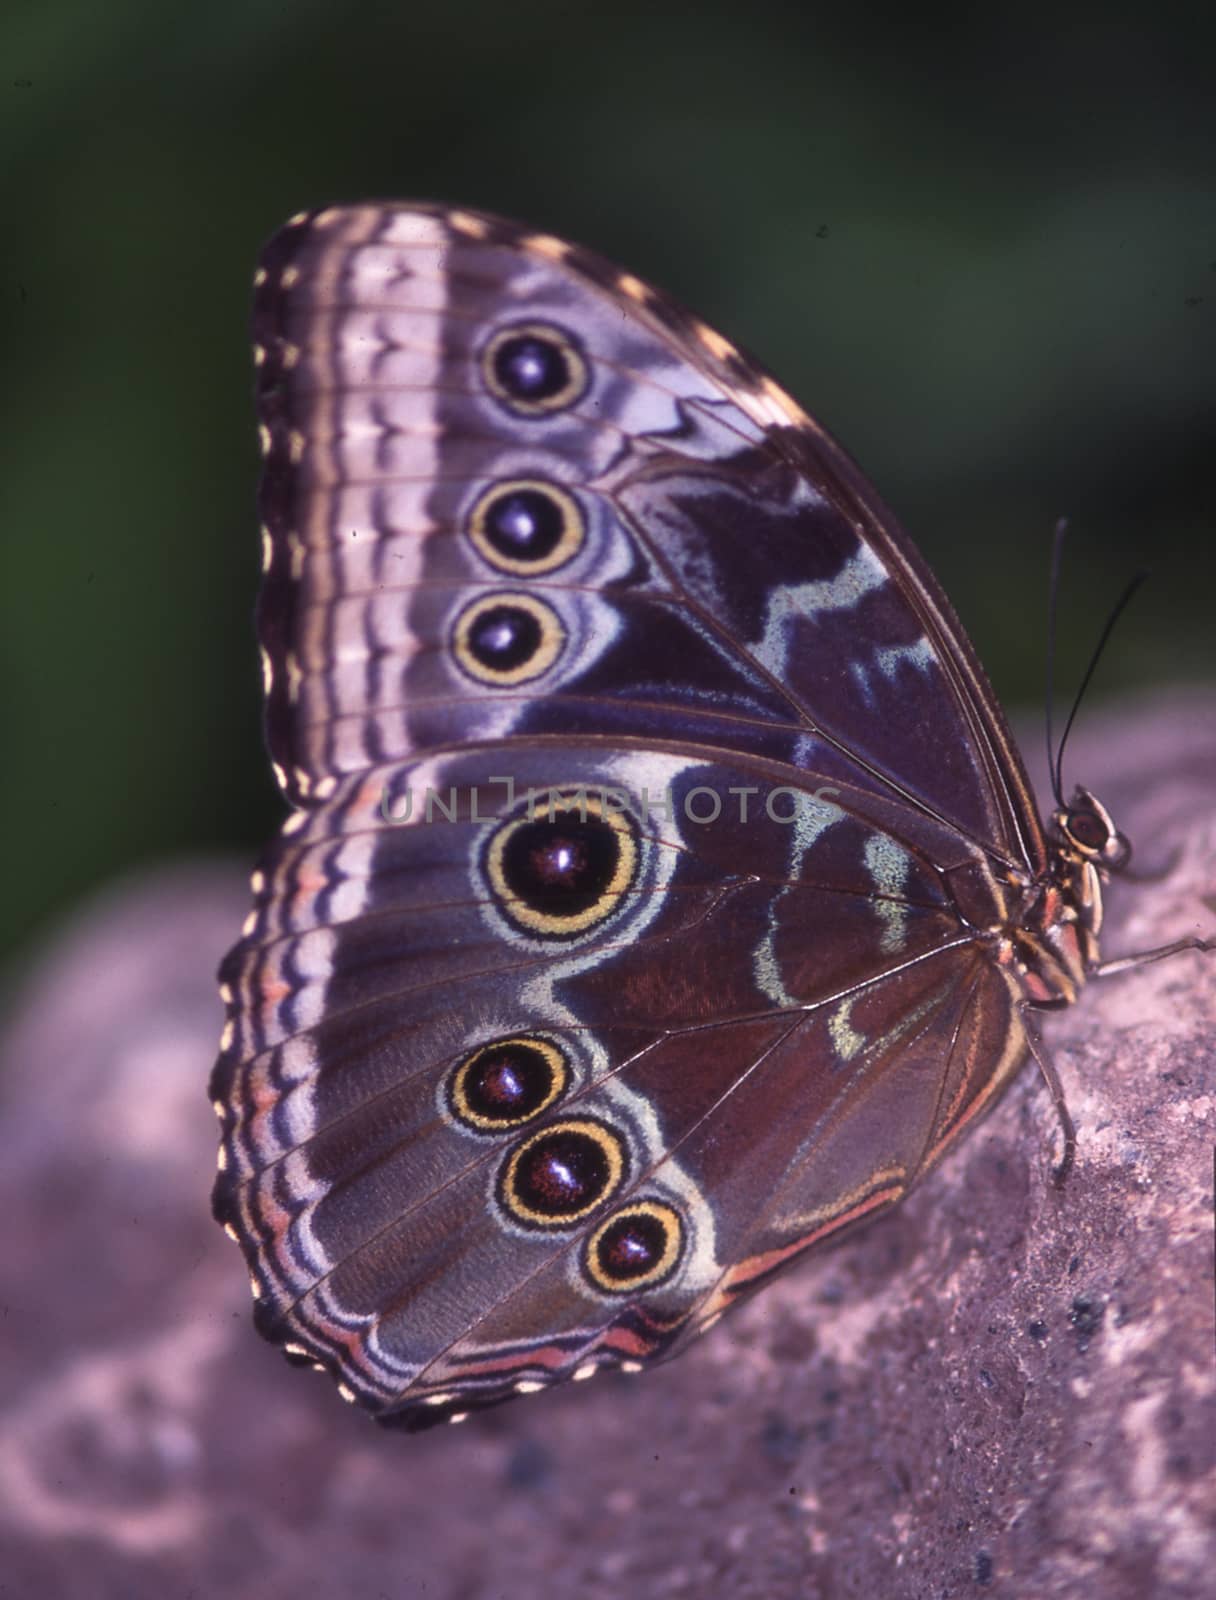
(1088, 830)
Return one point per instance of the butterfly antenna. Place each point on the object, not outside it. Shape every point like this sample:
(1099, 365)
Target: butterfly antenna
(1117, 611)
(1053, 590)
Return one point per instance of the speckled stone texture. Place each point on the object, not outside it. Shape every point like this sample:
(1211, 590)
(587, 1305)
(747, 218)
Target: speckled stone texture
(1003, 1389)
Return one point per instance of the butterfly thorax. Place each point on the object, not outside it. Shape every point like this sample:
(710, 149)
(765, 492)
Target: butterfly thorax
(1054, 940)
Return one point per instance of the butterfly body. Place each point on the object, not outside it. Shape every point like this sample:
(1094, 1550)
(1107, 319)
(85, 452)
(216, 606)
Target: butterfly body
(665, 891)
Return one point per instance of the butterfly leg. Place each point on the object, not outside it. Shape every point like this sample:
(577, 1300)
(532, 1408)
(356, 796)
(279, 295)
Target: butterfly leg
(1067, 1127)
(1142, 958)
(1102, 969)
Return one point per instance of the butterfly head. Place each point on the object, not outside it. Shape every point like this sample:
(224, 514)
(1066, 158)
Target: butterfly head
(1061, 922)
(1086, 832)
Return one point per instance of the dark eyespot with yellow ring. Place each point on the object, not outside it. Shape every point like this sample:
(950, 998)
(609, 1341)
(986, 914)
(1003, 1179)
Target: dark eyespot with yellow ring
(534, 369)
(561, 871)
(527, 526)
(560, 1174)
(637, 1247)
(504, 639)
(507, 1083)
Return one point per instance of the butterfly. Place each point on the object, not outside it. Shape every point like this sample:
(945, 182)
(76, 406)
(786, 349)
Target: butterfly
(663, 891)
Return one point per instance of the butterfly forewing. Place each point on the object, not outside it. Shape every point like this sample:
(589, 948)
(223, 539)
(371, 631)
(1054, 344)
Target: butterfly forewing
(725, 578)
(635, 932)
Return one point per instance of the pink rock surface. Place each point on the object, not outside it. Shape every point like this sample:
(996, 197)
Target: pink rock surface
(1003, 1388)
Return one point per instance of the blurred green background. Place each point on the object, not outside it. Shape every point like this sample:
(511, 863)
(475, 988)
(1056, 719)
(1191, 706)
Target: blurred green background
(980, 245)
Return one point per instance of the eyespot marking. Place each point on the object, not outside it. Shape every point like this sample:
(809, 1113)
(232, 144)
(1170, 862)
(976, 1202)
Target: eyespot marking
(507, 638)
(561, 1173)
(564, 872)
(527, 526)
(534, 369)
(637, 1247)
(506, 1083)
